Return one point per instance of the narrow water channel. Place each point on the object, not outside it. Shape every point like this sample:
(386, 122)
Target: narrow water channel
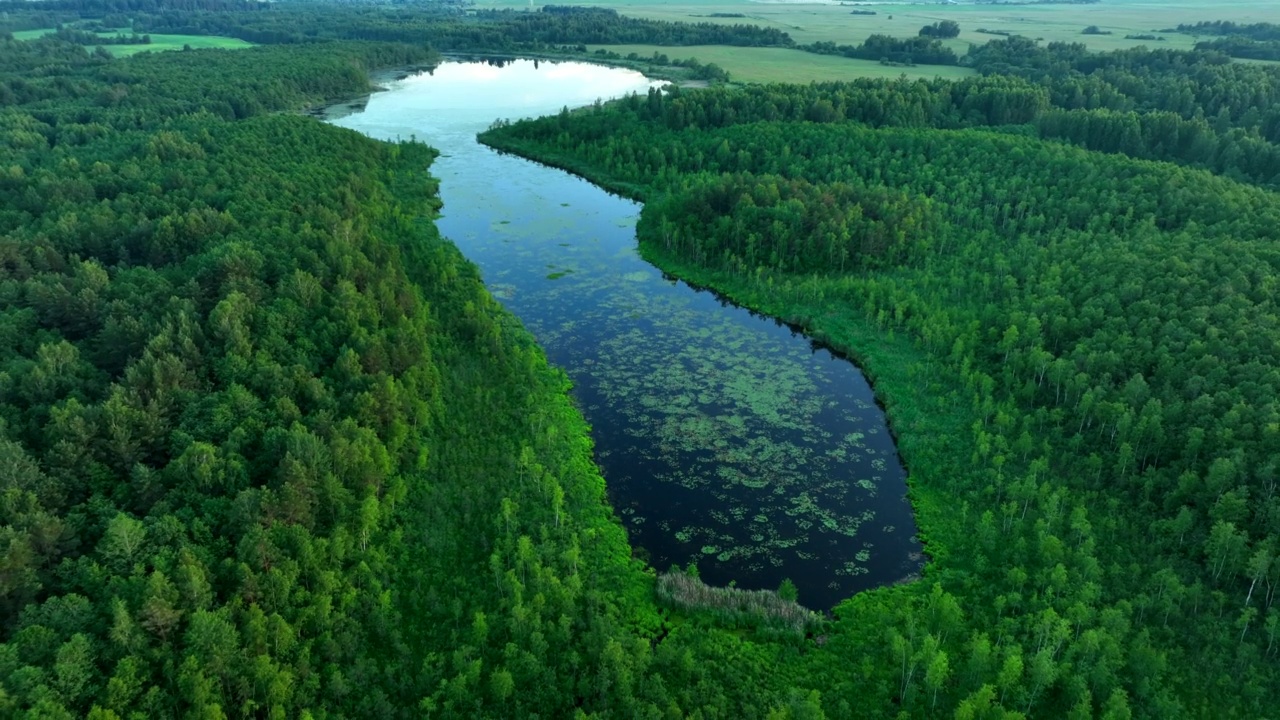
(726, 439)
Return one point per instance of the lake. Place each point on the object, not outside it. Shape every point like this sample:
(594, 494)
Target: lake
(726, 439)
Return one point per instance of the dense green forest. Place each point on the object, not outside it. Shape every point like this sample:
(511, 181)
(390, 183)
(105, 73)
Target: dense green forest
(1100, 329)
(1192, 108)
(269, 448)
(1243, 48)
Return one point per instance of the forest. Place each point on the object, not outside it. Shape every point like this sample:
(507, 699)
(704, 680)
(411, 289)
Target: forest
(1255, 31)
(1098, 326)
(240, 369)
(269, 448)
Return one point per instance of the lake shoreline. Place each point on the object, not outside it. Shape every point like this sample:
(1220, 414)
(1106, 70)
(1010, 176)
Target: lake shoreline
(709, 281)
(728, 438)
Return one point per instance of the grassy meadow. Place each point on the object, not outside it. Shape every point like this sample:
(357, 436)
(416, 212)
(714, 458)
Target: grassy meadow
(767, 65)
(831, 21)
(158, 43)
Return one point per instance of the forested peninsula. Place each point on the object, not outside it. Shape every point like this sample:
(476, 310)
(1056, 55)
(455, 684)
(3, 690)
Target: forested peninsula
(269, 448)
(1087, 398)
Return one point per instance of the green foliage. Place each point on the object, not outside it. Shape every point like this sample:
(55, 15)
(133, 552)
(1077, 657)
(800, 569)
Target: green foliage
(81, 37)
(1239, 47)
(745, 221)
(1200, 84)
(787, 591)
(925, 49)
(267, 446)
(696, 70)
(1084, 399)
(1190, 108)
(1255, 31)
(943, 29)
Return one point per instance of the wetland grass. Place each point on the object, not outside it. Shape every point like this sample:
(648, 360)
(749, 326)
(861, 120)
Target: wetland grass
(733, 606)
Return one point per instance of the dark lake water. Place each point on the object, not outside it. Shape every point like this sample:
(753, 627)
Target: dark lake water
(726, 439)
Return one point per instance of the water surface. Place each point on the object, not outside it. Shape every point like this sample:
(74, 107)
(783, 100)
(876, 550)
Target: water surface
(726, 438)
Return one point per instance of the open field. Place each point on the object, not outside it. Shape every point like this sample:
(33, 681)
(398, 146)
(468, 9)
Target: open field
(176, 42)
(158, 43)
(830, 21)
(765, 65)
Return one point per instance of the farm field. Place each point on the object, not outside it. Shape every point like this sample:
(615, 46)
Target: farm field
(767, 65)
(809, 22)
(158, 43)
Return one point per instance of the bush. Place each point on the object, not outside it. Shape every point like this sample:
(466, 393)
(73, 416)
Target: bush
(944, 29)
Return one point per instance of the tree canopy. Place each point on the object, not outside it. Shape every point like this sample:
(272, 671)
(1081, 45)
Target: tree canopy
(1089, 386)
(269, 448)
